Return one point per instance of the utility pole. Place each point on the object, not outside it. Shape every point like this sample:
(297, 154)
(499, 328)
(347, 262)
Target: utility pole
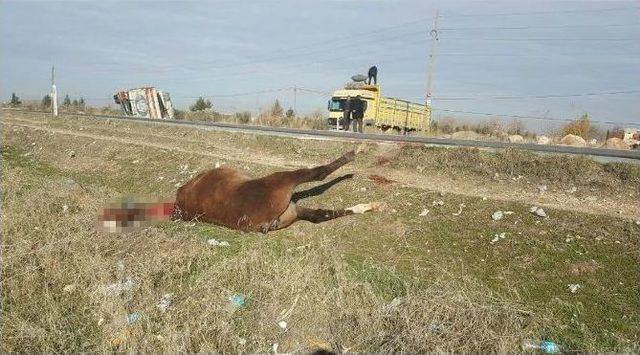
(54, 92)
(432, 56)
(295, 100)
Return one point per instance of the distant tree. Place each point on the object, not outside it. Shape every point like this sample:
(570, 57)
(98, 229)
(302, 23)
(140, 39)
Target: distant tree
(201, 105)
(290, 113)
(75, 103)
(46, 101)
(15, 100)
(66, 101)
(276, 109)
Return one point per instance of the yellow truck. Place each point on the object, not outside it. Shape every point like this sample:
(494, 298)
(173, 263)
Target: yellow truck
(382, 112)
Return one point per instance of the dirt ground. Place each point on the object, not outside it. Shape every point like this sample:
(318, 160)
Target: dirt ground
(398, 279)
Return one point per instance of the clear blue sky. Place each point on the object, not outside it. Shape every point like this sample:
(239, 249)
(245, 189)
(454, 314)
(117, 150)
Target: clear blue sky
(191, 48)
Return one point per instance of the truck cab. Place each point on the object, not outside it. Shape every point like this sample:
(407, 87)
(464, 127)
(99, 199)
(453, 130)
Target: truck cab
(368, 93)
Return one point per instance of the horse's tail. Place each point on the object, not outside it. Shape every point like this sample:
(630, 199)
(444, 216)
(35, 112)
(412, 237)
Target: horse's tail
(129, 215)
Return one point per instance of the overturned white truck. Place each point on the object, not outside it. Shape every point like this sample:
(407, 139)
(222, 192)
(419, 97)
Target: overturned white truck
(145, 102)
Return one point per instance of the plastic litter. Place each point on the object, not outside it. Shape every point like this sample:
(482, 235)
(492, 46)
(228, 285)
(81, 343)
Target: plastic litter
(133, 317)
(119, 287)
(546, 346)
(497, 215)
(437, 203)
(574, 287)
(65, 208)
(460, 207)
(70, 288)
(424, 212)
(237, 301)
(165, 302)
(538, 211)
(282, 324)
(217, 243)
(497, 237)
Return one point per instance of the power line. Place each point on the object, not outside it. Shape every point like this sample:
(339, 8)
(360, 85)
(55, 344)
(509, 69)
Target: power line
(623, 92)
(249, 93)
(595, 26)
(544, 39)
(546, 12)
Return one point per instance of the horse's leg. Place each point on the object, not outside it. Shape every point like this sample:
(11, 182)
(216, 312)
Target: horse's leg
(298, 213)
(318, 173)
(322, 215)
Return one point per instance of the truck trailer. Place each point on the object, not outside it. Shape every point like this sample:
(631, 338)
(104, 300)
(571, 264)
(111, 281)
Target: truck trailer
(146, 102)
(382, 112)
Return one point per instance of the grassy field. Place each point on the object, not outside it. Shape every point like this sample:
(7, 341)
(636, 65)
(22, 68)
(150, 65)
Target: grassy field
(387, 281)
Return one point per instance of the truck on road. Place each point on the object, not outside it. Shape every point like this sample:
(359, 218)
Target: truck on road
(146, 102)
(384, 113)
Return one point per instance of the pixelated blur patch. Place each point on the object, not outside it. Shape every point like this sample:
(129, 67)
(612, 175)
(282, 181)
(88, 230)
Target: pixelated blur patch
(129, 215)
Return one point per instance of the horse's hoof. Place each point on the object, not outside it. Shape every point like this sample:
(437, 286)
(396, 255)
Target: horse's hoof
(350, 156)
(365, 207)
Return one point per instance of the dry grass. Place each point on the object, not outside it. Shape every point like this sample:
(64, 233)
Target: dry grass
(511, 163)
(495, 128)
(458, 292)
(266, 118)
(331, 303)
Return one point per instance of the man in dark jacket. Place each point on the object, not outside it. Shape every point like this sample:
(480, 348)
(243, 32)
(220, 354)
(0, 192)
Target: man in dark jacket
(359, 107)
(373, 73)
(346, 113)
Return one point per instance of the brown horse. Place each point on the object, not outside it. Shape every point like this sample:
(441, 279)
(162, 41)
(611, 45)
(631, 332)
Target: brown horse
(225, 197)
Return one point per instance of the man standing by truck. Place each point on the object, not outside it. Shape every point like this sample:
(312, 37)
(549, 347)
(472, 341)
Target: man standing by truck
(373, 73)
(346, 115)
(359, 106)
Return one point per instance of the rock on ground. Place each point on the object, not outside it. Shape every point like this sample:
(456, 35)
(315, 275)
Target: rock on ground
(573, 140)
(616, 143)
(543, 140)
(516, 138)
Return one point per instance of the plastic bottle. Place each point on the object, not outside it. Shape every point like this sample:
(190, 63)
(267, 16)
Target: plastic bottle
(545, 346)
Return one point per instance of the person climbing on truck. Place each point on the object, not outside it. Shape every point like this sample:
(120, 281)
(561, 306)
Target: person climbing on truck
(359, 107)
(373, 73)
(347, 108)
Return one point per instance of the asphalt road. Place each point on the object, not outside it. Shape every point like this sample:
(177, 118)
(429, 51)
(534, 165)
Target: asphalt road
(599, 153)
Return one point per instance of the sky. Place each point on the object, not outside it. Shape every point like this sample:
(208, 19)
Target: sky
(245, 54)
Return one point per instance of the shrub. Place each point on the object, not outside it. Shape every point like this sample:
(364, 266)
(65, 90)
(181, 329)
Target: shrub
(201, 105)
(276, 109)
(580, 127)
(242, 117)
